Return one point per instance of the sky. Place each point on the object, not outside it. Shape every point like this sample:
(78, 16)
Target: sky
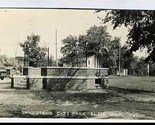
(16, 24)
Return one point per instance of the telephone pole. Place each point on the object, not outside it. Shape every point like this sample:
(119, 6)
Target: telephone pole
(148, 65)
(119, 60)
(56, 47)
(48, 57)
(148, 69)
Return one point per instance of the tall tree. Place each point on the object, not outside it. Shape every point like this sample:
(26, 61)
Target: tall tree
(98, 38)
(111, 57)
(7, 61)
(140, 24)
(75, 48)
(33, 53)
(69, 50)
(141, 67)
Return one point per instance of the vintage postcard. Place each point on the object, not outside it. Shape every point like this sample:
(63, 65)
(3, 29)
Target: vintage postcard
(88, 64)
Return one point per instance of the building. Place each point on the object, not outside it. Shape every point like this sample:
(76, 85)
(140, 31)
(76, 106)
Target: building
(90, 60)
(93, 61)
(10, 71)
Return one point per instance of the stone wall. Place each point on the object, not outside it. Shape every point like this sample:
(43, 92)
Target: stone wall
(65, 84)
(76, 71)
(31, 71)
(75, 82)
(19, 82)
(34, 83)
(63, 78)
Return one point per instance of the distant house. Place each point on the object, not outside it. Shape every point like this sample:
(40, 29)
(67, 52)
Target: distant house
(90, 60)
(10, 71)
(93, 59)
(124, 72)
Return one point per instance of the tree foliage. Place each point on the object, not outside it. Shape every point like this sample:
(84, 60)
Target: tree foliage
(96, 41)
(33, 53)
(69, 50)
(141, 67)
(76, 48)
(140, 24)
(98, 38)
(7, 61)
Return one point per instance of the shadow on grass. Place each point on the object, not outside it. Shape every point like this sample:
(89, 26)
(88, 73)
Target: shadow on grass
(113, 93)
(129, 90)
(97, 98)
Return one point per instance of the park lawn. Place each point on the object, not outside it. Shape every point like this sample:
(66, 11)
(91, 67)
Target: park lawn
(126, 98)
(133, 83)
(106, 105)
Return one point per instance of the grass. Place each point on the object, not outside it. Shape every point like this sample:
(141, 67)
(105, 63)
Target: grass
(132, 83)
(113, 104)
(126, 98)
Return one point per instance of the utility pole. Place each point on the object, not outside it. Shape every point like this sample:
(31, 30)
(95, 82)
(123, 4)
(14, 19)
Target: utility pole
(16, 50)
(48, 57)
(148, 65)
(119, 60)
(51, 60)
(86, 52)
(24, 59)
(148, 69)
(56, 47)
(77, 52)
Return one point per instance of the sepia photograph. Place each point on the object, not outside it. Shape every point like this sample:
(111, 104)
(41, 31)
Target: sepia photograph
(60, 63)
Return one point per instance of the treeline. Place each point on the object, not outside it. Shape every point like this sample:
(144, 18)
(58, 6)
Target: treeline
(100, 42)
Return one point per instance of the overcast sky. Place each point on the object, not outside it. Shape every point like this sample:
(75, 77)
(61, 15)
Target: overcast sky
(16, 24)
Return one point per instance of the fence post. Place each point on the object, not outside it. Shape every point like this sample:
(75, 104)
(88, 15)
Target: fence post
(28, 82)
(44, 83)
(12, 82)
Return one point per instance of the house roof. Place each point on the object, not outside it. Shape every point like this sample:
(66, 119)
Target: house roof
(91, 52)
(9, 67)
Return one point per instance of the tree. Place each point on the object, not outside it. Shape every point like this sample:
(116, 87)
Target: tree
(98, 38)
(111, 57)
(140, 24)
(141, 67)
(7, 61)
(33, 53)
(75, 48)
(69, 50)
(96, 41)
(152, 70)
